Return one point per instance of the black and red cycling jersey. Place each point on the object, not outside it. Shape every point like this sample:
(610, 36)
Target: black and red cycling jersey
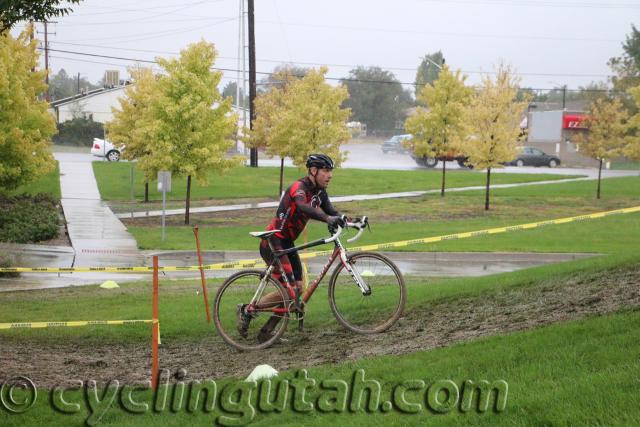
(301, 201)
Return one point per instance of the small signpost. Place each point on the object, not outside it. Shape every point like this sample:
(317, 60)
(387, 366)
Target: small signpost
(164, 185)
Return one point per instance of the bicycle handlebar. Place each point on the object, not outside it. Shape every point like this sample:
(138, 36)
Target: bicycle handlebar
(360, 224)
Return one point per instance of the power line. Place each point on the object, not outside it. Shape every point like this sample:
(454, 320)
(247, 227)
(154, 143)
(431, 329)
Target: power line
(542, 4)
(439, 33)
(328, 78)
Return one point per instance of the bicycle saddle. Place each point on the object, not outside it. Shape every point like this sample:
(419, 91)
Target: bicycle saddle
(264, 234)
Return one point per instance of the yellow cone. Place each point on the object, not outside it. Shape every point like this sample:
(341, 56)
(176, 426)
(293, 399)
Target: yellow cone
(109, 284)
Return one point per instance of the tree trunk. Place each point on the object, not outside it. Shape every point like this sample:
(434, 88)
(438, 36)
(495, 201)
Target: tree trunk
(146, 192)
(281, 176)
(599, 176)
(444, 163)
(186, 212)
(486, 196)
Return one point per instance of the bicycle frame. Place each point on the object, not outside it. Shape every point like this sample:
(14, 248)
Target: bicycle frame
(338, 251)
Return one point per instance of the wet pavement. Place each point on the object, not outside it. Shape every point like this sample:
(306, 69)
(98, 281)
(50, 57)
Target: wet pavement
(432, 264)
(97, 235)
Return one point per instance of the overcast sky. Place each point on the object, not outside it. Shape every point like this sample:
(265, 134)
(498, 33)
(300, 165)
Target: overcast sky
(550, 43)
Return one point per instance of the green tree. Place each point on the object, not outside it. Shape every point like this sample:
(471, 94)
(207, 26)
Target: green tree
(281, 75)
(302, 117)
(632, 146)
(376, 98)
(437, 127)
(26, 126)
(492, 121)
(230, 90)
(13, 11)
(627, 67)
(61, 85)
(135, 126)
(196, 125)
(270, 108)
(429, 69)
(608, 123)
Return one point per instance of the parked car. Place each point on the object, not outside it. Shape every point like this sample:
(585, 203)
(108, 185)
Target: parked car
(432, 162)
(395, 144)
(531, 156)
(104, 148)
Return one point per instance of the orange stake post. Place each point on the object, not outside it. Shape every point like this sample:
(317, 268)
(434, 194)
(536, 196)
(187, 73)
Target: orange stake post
(204, 282)
(155, 327)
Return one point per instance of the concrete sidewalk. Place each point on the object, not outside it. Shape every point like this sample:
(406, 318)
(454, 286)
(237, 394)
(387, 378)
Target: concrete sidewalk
(97, 235)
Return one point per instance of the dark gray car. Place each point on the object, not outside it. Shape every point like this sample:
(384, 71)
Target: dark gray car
(531, 156)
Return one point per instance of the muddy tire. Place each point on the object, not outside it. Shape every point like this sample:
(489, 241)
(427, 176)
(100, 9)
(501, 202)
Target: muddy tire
(373, 313)
(239, 289)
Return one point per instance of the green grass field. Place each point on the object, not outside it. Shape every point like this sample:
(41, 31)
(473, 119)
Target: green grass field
(49, 183)
(581, 372)
(404, 219)
(244, 182)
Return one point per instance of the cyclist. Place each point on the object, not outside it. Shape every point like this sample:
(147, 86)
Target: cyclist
(306, 198)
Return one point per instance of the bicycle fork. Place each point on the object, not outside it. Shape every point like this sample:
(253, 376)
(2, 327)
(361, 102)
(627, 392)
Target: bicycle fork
(355, 274)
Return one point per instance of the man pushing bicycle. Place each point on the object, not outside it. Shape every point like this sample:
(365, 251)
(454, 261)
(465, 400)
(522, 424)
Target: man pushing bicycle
(306, 198)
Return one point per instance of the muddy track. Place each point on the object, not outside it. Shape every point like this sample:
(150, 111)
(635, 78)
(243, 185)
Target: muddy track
(438, 324)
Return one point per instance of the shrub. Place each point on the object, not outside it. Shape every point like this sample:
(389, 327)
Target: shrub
(78, 131)
(28, 219)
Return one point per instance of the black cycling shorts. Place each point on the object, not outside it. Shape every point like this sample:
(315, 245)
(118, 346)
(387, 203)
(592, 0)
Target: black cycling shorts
(290, 262)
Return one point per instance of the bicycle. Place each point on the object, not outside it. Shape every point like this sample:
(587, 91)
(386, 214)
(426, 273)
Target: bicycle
(367, 294)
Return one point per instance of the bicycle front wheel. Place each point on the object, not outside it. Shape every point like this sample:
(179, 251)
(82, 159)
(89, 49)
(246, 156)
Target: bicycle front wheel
(375, 308)
(237, 291)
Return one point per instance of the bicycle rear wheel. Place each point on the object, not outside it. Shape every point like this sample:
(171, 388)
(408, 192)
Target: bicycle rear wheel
(237, 290)
(373, 311)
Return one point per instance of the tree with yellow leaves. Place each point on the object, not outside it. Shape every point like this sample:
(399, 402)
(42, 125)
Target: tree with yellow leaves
(438, 123)
(26, 127)
(303, 117)
(134, 125)
(608, 124)
(632, 146)
(194, 126)
(269, 105)
(492, 121)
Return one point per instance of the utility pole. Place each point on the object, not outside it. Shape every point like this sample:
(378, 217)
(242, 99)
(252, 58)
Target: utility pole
(78, 83)
(252, 79)
(46, 55)
(46, 58)
(564, 96)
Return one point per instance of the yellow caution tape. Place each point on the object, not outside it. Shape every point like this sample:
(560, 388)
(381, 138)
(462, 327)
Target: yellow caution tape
(33, 325)
(248, 263)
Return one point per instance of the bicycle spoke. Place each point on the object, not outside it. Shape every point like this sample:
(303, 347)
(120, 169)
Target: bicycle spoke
(376, 311)
(239, 290)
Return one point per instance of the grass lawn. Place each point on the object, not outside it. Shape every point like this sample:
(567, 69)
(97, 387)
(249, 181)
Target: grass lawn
(575, 373)
(403, 219)
(244, 182)
(49, 183)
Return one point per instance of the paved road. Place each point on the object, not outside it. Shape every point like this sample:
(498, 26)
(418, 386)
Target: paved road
(370, 156)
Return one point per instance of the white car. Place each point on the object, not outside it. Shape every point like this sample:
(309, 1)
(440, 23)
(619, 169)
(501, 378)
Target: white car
(104, 148)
